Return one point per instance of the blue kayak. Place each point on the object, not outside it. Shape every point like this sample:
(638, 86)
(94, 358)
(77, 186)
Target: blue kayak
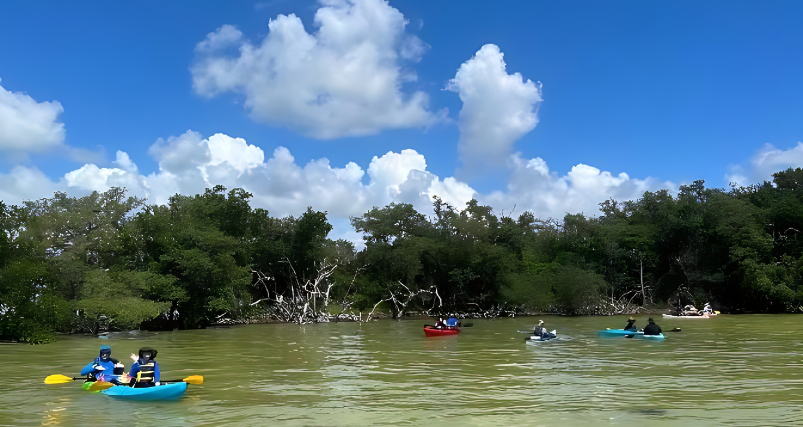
(629, 333)
(159, 392)
(616, 332)
(641, 336)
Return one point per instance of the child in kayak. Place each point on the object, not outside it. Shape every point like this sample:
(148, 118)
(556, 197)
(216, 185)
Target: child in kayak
(104, 367)
(145, 370)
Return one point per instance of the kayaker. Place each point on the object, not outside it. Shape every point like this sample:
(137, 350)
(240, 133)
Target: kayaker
(440, 324)
(104, 367)
(451, 322)
(540, 331)
(652, 328)
(145, 370)
(631, 324)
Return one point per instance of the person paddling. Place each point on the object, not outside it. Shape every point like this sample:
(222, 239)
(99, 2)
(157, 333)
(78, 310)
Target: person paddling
(451, 322)
(540, 331)
(440, 324)
(652, 328)
(145, 370)
(631, 324)
(104, 367)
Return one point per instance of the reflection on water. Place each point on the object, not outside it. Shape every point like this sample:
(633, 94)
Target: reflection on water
(730, 370)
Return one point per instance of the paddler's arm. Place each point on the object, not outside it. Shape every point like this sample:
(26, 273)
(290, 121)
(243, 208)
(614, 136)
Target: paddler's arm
(156, 373)
(88, 369)
(134, 370)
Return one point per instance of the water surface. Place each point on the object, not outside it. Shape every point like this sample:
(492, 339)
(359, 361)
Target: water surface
(730, 370)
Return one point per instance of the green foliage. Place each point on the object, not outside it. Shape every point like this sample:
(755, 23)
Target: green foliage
(114, 301)
(111, 261)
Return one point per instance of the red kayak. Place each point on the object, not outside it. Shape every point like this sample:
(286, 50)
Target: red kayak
(435, 332)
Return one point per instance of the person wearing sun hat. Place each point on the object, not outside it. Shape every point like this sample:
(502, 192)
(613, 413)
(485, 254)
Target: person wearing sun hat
(631, 324)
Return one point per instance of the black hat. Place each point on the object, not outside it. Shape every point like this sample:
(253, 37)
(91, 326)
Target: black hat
(650, 320)
(152, 351)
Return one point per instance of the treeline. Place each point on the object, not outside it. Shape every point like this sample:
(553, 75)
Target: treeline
(109, 261)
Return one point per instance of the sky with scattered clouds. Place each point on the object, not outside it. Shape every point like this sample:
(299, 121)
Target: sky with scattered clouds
(343, 105)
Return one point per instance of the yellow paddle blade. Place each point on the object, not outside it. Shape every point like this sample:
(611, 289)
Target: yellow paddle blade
(57, 379)
(100, 385)
(194, 379)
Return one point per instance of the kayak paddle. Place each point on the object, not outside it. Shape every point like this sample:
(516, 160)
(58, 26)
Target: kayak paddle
(192, 379)
(675, 330)
(61, 379)
(100, 385)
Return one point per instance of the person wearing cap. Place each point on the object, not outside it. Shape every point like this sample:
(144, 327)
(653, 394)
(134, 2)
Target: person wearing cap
(104, 367)
(631, 324)
(540, 331)
(145, 370)
(652, 328)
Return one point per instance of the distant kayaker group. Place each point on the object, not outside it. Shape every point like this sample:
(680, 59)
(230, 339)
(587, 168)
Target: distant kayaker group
(651, 329)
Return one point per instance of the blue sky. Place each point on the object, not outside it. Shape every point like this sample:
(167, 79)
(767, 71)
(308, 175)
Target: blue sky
(666, 92)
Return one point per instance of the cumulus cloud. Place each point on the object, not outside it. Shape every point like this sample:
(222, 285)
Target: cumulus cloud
(345, 79)
(533, 187)
(498, 109)
(766, 161)
(189, 163)
(27, 125)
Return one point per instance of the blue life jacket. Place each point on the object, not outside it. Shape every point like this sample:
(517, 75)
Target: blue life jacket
(109, 363)
(452, 321)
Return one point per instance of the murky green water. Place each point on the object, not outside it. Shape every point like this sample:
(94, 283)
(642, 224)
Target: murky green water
(730, 370)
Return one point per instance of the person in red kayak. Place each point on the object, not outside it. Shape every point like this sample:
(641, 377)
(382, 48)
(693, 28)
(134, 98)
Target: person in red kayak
(440, 324)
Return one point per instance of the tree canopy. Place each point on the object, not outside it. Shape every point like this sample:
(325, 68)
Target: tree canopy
(109, 261)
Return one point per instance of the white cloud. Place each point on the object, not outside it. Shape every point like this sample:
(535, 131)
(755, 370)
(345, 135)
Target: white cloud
(27, 125)
(766, 161)
(23, 183)
(498, 109)
(188, 164)
(532, 187)
(342, 80)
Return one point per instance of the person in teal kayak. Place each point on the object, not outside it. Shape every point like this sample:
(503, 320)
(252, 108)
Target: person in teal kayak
(631, 325)
(145, 370)
(104, 367)
(652, 328)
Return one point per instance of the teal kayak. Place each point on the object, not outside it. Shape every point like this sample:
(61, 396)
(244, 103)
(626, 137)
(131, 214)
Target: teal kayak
(616, 332)
(641, 336)
(630, 334)
(159, 392)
